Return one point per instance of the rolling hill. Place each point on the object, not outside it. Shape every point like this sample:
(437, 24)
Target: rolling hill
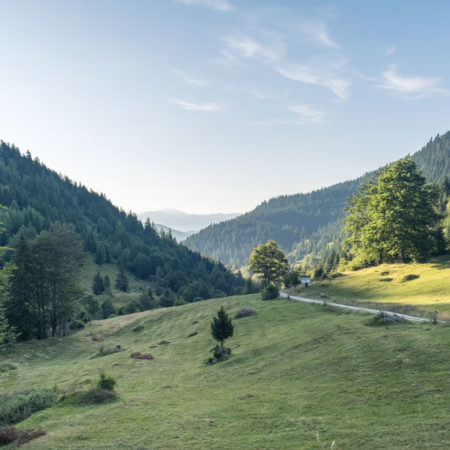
(303, 224)
(300, 376)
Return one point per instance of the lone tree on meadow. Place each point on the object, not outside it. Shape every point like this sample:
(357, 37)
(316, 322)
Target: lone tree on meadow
(394, 217)
(269, 262)
(221, 328)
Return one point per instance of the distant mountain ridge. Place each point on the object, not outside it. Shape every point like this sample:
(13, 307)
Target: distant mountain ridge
(305, 225)
(182, 221)
(177, 234)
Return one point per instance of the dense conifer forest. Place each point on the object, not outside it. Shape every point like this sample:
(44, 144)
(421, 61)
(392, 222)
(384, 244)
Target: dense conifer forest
(33, 197)
(307, 226)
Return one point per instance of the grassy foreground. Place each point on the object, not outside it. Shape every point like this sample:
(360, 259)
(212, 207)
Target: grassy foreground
(300, 376)
(412, 288)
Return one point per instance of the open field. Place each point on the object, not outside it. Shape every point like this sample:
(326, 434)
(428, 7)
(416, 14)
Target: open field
(300, 376)
(418, 289)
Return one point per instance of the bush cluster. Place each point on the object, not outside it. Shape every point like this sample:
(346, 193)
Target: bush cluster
(95, 396)
(270, 292)
(19, 405)
(106, 382)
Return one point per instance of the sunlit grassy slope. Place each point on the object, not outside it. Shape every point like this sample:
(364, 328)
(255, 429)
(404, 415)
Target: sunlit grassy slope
(300, 376)
(388, 285)
(136, 286)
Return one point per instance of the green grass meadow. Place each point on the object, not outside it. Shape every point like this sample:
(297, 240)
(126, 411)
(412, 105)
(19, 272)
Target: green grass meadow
(300, 376)
(419, 289)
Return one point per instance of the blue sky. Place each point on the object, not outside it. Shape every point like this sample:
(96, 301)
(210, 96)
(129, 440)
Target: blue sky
(217, 105)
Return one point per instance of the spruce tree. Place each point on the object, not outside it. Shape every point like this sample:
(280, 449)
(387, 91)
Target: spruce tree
(221, 328)
(121, 280)
(7, 335)
(21, 308)
(98, 285)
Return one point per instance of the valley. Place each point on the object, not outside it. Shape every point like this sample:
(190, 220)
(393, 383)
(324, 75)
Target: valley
(298, 374)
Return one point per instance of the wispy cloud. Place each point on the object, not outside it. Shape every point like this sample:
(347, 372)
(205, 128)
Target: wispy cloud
(245, 47)
(221, 5)
(305, 114)
(317, 31)
(190, 79)
(191, 106)
(390, 50)
(410, 86)
(308, 114)
(326, 75)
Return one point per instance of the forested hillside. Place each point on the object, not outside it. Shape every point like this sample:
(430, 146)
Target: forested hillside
(305, 225)
(33, 197)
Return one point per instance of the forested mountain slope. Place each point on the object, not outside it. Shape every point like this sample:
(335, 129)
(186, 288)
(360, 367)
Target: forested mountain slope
(303, 224)
(33, 196)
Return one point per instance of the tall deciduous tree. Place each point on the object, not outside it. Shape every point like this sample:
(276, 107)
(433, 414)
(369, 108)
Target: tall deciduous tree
(394, 217)
(269, 262)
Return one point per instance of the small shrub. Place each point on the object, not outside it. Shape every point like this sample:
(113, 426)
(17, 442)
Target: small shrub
(106, 382)
(194, 333)
(76, 325)
(244, 312)
(409, 277)
(386, 279)
(95, 396)
(379, 320)
(383, 274)
(270, 292)
(139, 355)
(8, 435)
(5, 367)
(19, 405)
(434, 319)
(221, 353)
(383, 319)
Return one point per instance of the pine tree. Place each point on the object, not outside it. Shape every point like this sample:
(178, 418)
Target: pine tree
(107, 283)
(221, 328)
(21, 308)
(7, 335)
(107, 308)
(121, 280)
(98, 285)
